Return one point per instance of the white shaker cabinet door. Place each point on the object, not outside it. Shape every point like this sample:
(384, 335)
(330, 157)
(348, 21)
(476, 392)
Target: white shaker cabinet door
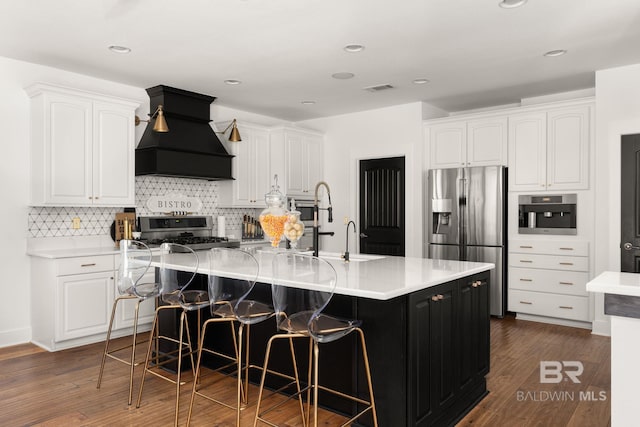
(527, 152)
(447, 145)
(487, 142)
(568, 148)
(83, 304)
(66, 146)
(113, 159)
(296, 161)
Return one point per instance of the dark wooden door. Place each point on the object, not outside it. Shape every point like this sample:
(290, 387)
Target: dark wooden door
(382, 225)
(630, 204)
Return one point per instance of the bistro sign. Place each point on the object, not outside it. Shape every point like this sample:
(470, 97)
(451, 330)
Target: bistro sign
(174, 203)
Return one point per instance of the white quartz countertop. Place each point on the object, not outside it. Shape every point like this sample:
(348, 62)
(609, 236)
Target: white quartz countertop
(376, 277)
(74, 252)
(616, 282)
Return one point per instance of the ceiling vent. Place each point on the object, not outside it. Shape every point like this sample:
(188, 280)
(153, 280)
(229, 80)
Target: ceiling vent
(378, 88)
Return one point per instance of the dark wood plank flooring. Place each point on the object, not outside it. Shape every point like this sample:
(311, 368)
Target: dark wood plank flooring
(59, 389)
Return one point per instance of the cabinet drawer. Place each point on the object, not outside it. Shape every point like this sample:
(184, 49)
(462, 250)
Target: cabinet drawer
(558, 282)
(549, 247)
(552, 305)
(88, 264)
(569, 263)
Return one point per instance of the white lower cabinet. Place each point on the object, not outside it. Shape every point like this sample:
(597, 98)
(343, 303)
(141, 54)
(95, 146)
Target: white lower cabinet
(83, 304)
(548, 278)
(72, 298)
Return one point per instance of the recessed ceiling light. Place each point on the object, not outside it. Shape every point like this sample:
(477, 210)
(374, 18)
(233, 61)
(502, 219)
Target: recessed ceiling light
(511, 4)
(232, 82)
(342, 75)
(354, 48)
(119, 49)
(558, 52)
(420, 81)
(307, 102)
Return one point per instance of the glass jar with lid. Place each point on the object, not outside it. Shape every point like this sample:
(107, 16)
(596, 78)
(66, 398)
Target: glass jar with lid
(293, 227)
(273, 217)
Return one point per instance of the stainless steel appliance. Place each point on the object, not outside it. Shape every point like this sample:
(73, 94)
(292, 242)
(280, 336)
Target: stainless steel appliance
(466, 221)
(547, 214)
(192, 231)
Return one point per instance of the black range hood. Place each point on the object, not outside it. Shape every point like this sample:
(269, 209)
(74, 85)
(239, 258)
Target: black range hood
(191, 148)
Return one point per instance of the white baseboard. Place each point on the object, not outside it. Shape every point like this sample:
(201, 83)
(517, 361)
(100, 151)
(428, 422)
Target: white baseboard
(553, 320)
(602, 327)
(15, 337)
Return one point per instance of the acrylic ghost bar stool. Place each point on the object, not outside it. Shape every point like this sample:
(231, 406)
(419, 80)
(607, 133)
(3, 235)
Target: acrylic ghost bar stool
(302, 287)
(135, 259)
(232, 277)
(178, 268)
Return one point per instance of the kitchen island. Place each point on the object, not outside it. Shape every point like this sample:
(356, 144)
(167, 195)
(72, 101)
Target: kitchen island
(622, 303)
(426, 324)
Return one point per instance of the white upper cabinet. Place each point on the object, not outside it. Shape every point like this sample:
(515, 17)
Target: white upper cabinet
(303, 154)
(568, 148)
(487, 142)
(82, 148)
(251, 168)
(549, 150)
(476, 142)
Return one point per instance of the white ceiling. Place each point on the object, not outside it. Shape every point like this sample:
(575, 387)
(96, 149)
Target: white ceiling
(474, 53)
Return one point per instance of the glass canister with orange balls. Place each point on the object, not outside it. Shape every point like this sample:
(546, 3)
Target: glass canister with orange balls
(273, 217)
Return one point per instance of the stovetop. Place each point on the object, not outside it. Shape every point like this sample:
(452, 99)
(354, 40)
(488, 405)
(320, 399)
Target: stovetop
(197, 242)
(192, 231)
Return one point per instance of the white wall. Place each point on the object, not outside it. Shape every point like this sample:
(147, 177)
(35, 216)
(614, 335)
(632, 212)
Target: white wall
(617, 114)
(15, 323)
(386, 132)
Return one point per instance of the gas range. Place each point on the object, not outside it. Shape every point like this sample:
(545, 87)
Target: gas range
(192, 231)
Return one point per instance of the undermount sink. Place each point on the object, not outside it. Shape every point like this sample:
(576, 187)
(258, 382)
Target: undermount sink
(352, 257)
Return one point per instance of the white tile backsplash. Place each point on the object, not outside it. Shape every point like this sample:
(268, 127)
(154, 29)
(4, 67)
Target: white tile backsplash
(57, 221)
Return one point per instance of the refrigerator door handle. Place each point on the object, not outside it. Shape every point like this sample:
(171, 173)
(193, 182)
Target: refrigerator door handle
(462, 209)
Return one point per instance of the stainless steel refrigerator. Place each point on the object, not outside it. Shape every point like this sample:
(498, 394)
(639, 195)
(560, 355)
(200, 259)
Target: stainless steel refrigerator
(466, 221)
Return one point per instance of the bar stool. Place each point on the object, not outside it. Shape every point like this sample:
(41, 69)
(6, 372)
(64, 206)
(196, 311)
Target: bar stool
(232, 278)
(135, 259)
(178, 267)
(302, 287)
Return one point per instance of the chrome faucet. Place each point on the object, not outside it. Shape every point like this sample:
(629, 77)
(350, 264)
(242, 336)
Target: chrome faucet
(316, 209)
(346, 250)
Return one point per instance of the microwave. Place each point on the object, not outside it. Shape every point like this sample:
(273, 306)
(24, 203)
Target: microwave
(547, 214)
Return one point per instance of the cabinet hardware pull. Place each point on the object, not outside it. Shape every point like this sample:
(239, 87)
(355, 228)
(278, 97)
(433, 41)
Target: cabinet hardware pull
(566, 249)
(526, 280)
(440, 297)
(566, 283)
(526, 247)
(566, 263)
(526, 302)
(88, 265)
(525, 260)
(474, 285)
(90, 198)
(434, 298)
(566, 307)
